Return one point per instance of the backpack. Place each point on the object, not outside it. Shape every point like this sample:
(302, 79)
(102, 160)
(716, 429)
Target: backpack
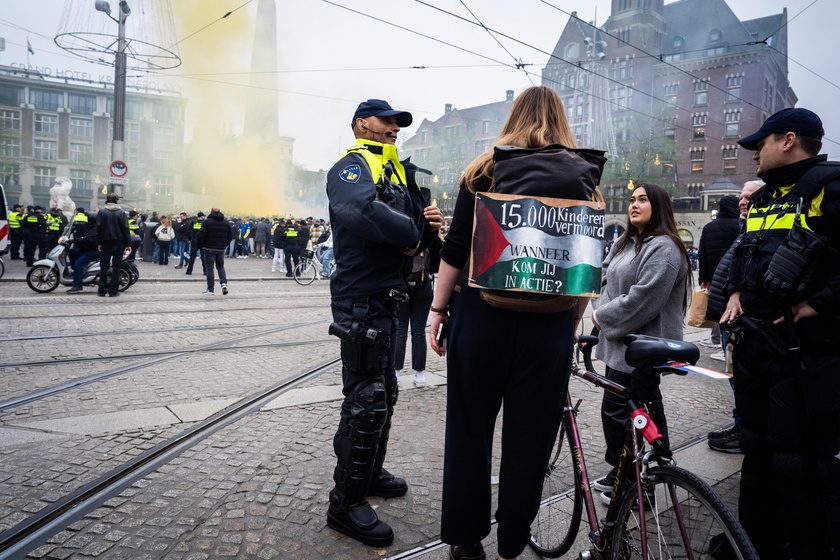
(420, 266)
(552, 171)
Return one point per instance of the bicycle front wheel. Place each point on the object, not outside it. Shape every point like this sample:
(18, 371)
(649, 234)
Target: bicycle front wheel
(555, 528)
(305, 273)
(684, 518)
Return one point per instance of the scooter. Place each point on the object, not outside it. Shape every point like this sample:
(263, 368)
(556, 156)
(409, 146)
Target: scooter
(55, 270)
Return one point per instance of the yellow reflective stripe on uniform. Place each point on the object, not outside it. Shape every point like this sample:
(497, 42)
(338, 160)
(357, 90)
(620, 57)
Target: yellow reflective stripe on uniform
(82, 218)
(54, 222)
(132, 225)
(33, 219)
(376, 162)
(197, 225)
(14, 219)
(291, 233)
(780, 215)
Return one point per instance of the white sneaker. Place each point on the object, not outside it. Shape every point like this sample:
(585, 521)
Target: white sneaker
(708, 343)
(272, 270)
(419, 378)
(719, 356)
(208, 293)
(224, 289)
(398, 372)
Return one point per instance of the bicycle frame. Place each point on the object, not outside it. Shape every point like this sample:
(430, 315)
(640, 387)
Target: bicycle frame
(632, 463)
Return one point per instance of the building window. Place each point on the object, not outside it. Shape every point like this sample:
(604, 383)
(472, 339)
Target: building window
(132, 153)
(670, 127)
(9, 146)
(11, 95)
(164, 137)
(132, 132)
(732, 122)
(623, 36)
(730, 159)
(46, 100)
(424, 137)
(715, 35)
(81, 153)
(671, 92)
(82, 128)
(9, 174)
(81, 180)
(621, 98)
(623, 69)
(133, 110)
(46, 149)
(697, 157)
(733, 88)
(165, 113)
(163, 160)
(624, 4)
(485, 127)
(678, 42)
(714, 51)
(676, 57)
(163, 186)
(698, 126)
(572, 51)
(44, 176)
(46, 124)
(9, 120)
(82, 104)
(668, 168)
(701, 92)
(768, 93)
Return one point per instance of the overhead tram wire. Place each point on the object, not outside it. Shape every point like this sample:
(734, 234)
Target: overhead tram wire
(631, 110)
(318, 70)
(790, 20)
(518, 61)
(570, 63)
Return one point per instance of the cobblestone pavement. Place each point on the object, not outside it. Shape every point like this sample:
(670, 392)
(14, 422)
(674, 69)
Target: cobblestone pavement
(258, 488)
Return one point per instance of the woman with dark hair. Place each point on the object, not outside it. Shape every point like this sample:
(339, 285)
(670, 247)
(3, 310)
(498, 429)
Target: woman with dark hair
(647, 279)
(496, 356)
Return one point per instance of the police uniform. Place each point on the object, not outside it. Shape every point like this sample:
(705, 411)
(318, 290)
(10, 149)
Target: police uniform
(291, 246)
(134, 230)
(790, 478)
(16, 232)
(55, 225)
(36, 228)
(194, 229)
(374, 216)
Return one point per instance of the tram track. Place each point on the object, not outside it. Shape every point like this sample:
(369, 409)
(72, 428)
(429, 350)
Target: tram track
(125, 332)
(87, 380)
(37, 529)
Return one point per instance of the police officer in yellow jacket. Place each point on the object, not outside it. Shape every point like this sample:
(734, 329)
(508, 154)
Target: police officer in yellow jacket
(15, 218)
(378, 223)
(35, 226)
(784, 308)
(56, 222)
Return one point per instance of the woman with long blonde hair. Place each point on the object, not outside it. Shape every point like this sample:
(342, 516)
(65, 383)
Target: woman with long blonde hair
(499, 356)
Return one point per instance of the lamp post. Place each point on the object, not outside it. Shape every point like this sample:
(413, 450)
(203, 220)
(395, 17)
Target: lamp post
(118, 144)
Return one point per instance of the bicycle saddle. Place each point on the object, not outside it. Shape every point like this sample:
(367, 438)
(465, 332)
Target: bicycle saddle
(649, 351)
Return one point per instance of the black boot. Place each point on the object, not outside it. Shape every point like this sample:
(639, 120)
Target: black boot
(358, 521)
(467, 552)
(386, 485)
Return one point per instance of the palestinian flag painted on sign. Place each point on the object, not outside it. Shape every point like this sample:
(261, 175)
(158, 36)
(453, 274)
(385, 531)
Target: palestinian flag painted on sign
(533, 244)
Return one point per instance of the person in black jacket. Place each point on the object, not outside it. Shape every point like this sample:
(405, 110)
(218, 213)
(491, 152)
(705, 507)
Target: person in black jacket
(379, 221)
(113, 237)
(715, 240)
(213, 239)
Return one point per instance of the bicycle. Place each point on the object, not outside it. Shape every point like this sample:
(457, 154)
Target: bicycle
(309, 268)
(657, 510)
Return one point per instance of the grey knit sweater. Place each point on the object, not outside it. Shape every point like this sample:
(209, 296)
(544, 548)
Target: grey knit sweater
(641, 294)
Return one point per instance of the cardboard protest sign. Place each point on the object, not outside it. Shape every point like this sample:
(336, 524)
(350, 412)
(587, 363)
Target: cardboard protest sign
(535, 244)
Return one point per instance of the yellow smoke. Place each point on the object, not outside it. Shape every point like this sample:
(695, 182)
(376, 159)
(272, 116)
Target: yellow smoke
(239, 175)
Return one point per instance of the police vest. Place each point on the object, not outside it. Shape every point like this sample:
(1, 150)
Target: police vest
(197, 224)
(291, 232)
(376, 162)
(32, 219)
(53, 222)
(132, 226)
(82, 217)
(14, 219)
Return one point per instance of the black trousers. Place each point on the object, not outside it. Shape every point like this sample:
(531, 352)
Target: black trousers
(31, 242)
(790, 478)
(211, 259)
(615, 416)
(414, 313)
(193, 251)
(17, 239)
(292, 255)
(500, 358)
(110, 256)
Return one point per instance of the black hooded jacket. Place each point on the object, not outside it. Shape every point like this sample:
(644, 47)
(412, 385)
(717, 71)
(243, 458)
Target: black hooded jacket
(215, 234)
(717, 237)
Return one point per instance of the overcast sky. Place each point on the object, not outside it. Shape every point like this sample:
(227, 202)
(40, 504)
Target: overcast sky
(330, 58)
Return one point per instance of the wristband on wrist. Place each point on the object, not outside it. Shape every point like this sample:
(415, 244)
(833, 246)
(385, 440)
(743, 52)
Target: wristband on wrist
(444, 309)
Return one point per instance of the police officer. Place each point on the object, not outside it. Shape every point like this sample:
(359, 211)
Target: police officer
(291, 245)
(36, 229)
(784, 303)
(56, 222)
(378, 222)
(15, 218)
(194, 229)
(136, 234)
